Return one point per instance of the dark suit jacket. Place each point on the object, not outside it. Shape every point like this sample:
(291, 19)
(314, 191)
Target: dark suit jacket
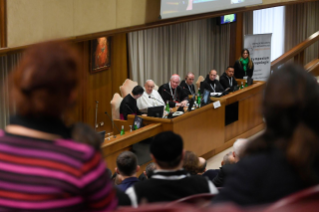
(239, 71)
(224, 80)
(206, 85)
(129, 106)
(165, 92)
(260, 179)
(186, 89)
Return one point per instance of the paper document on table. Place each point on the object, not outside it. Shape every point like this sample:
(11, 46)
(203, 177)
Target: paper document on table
(216, 93)
(216, 104)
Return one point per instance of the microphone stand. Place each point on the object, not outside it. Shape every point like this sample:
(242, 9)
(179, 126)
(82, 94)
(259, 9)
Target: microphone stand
(95, 122)
(113, 123)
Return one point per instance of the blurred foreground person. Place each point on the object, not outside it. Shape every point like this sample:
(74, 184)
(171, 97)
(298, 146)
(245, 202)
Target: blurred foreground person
(285, 158)
(42, 168)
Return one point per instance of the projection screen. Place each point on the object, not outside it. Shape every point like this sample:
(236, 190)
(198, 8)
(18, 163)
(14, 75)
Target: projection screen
(177, 8)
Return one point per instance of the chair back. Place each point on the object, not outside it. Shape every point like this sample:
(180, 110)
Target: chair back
(197, 199)
(155, 87)
(115, 105)
(301, 197)
(127, 87)
(199, 80)
(217, 77)
(159, 207)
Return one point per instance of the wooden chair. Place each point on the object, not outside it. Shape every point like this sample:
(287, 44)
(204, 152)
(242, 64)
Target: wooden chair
(127, 87)
(304, 197)
(115, 105)
(199, 80)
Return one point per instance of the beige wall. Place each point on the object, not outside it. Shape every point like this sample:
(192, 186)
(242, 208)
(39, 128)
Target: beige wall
(31, 21)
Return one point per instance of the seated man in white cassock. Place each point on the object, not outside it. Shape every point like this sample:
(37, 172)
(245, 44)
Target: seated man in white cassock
(150, 97)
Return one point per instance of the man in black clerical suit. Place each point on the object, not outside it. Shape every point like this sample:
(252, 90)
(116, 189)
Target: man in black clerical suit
(211, 84)
(187, 84)
(173, 93)
(227, 79)
(129, 105)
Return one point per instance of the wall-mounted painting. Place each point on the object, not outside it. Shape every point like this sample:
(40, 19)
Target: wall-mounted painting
(100, 54)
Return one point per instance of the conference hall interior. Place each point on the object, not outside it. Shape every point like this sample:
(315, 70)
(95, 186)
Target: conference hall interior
(159, 105)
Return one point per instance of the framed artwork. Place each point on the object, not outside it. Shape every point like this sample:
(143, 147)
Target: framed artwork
(100, 54)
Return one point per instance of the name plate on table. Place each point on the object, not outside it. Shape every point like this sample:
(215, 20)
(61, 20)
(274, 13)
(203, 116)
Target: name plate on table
(216, 104)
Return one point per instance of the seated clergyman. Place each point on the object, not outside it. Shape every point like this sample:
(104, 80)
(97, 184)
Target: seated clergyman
(187, 84)
(211, 83)
(128, 104)
(150, 97)
(172, 93)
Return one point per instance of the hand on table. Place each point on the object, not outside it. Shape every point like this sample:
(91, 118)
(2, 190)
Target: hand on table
(184, 103)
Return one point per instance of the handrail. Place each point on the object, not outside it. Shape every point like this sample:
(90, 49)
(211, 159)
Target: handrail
(296, 51)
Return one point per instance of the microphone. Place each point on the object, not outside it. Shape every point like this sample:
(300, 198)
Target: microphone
(112, 122)
(155, 99)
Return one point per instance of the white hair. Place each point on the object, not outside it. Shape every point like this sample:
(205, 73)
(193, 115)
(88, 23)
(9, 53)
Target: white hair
(239, 146)
(175, 75)
(149, 80)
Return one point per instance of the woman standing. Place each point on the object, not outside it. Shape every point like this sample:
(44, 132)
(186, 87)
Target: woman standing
(244, 66)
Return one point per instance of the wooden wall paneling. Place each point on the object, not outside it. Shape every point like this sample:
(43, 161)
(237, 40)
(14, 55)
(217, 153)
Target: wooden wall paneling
(3, 23)
(102, 85)
(239, 35)
(232, 46)
(119, 62)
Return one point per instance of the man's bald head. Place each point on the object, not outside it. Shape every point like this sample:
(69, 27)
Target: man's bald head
(175, 80)
(212, 75)
(190, 77)
(149, 86)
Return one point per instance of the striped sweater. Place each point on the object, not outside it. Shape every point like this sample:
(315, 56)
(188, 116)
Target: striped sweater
(59, 175)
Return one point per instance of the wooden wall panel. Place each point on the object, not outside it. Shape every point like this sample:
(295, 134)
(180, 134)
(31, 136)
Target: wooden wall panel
(100, 86)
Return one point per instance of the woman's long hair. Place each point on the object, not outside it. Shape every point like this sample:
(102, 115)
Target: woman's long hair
(291, 110)
(250, 63)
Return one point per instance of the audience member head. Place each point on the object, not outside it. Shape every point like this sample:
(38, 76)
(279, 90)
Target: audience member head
(191, 162)
(127, 164)
(175, 80)
(85, 134)
(44, 84)
(239, 147)
(290, 108)
(149, 86)
(167, 151)
(230, 71)
(202, 165)
(137, 92)
(245, 54)
(212, 75)
(189, 79)
(149, 169)
(228, 159)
